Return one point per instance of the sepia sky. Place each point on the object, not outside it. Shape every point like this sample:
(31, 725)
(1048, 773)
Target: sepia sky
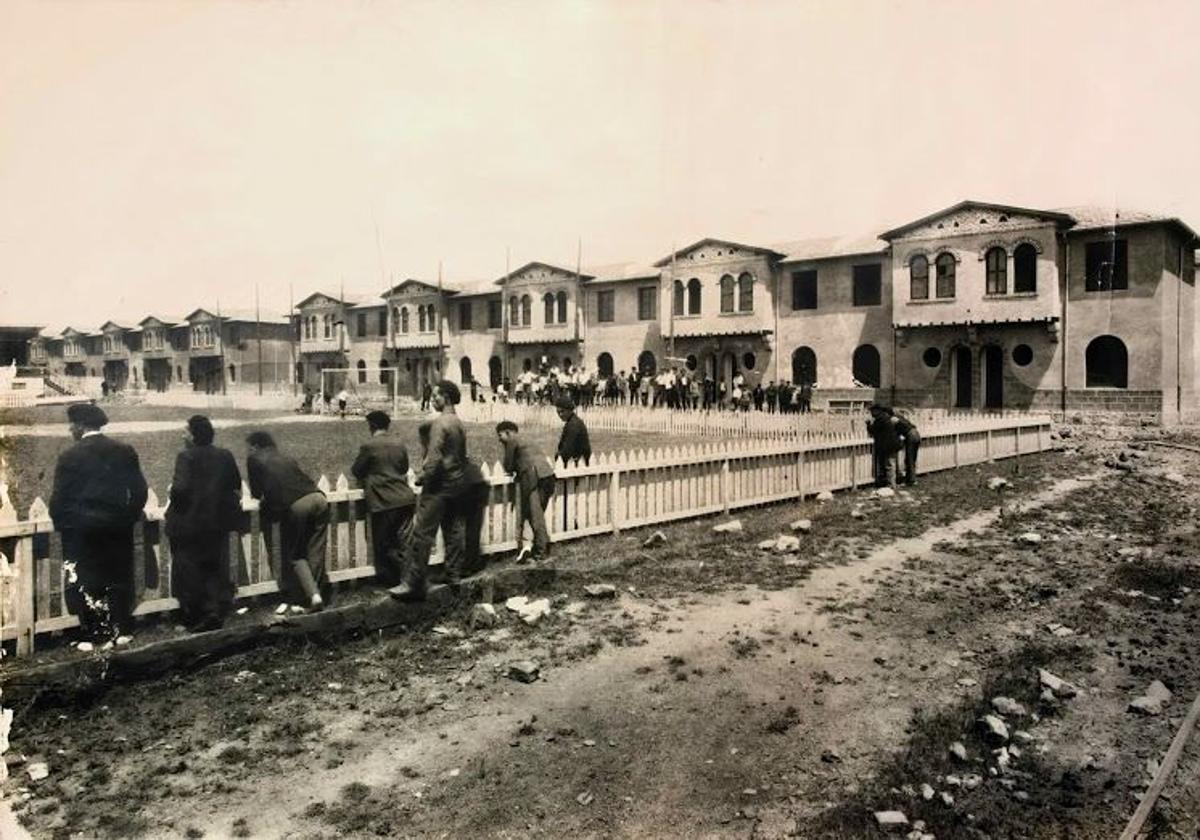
(159, 156)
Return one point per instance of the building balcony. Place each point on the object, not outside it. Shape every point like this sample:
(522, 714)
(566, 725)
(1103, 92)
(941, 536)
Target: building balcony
(543, 334)
(205, 350)
(157, 352)
(414, 341)
(320, 345)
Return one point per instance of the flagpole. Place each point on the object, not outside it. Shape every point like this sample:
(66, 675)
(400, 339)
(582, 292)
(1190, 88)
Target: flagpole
(671, 328)
(293, 330)
(258, 337)
(506, 315)
(578, 295)
(441, 316)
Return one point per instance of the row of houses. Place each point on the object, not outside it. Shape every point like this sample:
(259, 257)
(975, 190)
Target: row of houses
(979, 305)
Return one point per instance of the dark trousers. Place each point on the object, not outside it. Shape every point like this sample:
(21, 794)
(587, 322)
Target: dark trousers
(443, 508)
(200, 577)
(389, 529)
(100, 592)
(912, 445)
(305, 533)
(534, 501)
(886, 467)
(476, 501)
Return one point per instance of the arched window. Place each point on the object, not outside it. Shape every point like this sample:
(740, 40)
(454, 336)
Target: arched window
(431, 317)
(464, 370)
(865, 366)
(677, 298)
(997, 271)
(727, 293)
(232, 373)
(945, 275)
(362, 372)
(918, 278)
(745, 292)
(328, 326)
(495, 371)
(527, 365)
(1025, 268)
(404, 319)
(1107, 363)
(561, 300)
(514, 312)
(307, 329)
(604, 364)
(804, 366)
(421, 318)
(548, 308)
(647, 364)
(693, 297)
(395, 319)
(526, 310)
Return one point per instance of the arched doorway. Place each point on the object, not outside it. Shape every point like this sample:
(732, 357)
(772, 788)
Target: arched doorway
(865, 366)
(729, 368)
(604, 364)
(1107, 363)
(464, 370)
(804, 366)
(962, 378)
(495, 371)
(992, 364)
(647, 364)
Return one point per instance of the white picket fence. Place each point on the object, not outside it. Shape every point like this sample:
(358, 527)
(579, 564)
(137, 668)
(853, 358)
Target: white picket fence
(617, 490)
(761, 425)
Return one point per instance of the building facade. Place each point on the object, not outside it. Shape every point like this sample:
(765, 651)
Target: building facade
(978, 306)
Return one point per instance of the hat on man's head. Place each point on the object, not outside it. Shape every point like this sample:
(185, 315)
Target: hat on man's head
(88, 415)
(378, 420)
(565, 402)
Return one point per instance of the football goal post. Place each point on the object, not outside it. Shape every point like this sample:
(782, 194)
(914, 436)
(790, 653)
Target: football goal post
(366, 388)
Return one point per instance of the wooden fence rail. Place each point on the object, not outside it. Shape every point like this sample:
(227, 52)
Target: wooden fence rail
(816, 425)
(617, 490)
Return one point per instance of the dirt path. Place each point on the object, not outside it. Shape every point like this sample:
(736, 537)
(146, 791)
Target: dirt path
(696, 704)
(687, 711)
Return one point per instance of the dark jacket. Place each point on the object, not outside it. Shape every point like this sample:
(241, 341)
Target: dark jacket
(206, 492)
(98, 484)
(882, 428)
(277, 481)
(382, 470)
(906, 429)
(527, 463)
(446, 457)
(574, 444)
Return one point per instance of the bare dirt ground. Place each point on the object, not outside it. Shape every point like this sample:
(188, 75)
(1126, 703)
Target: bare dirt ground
(726, 691)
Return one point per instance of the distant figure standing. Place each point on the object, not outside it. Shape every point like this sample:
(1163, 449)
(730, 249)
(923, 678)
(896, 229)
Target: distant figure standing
(806, 391)
(426, 396)
(535, 485)
(292, 499)
(206, 494)
(573, 444)
(99, 493)
(342, 398)
(443, 483)
(912, 444)
(381, 469)
(882, 428)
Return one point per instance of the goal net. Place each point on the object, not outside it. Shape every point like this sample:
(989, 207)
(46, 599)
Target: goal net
(364, 388)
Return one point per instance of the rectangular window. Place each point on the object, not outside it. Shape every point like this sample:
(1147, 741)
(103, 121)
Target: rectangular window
(647, 303)
(1106, 266)
(464, 316)
(494, 314)
(381, 327)
(867, 285)
(804, 289)
(606, 305)
(360, 321)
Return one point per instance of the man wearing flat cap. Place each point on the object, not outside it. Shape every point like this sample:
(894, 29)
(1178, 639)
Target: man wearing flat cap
(99, 493)
(381, 469)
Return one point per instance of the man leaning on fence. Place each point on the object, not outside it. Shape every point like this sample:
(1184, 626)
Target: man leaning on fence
(99, 493)
(443, 497)
(382, 471)
(535, 485)
(882, 428)
(206, 491)
(289, 497)
(912, 445)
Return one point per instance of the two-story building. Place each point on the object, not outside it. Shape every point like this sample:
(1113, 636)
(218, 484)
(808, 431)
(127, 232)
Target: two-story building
(978, 306)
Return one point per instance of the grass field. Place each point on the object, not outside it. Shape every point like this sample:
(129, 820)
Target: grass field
(322, 448)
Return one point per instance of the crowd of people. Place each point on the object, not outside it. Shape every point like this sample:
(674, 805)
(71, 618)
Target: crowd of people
(673, 387)
(100, 492)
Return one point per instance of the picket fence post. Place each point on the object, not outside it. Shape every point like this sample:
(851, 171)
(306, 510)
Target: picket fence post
(988, 444)
(614, 509)
(725, 485)
(956, 463)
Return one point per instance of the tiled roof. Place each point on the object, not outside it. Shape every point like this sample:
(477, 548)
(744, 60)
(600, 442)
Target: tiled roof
(470, 288)
(618, 272)
(704, 329)
(802, 250)
(1095, 216)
